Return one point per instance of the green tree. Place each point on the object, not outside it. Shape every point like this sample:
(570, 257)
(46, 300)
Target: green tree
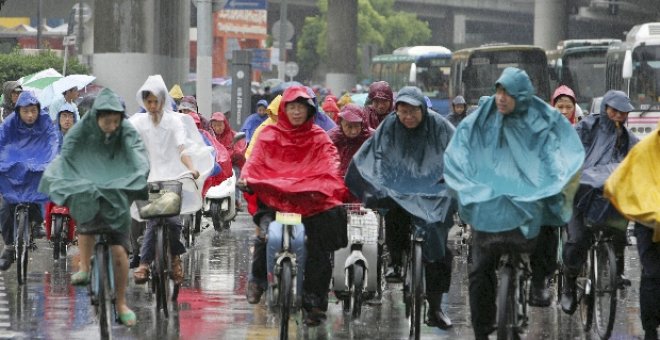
(378, 24)
(16, 65)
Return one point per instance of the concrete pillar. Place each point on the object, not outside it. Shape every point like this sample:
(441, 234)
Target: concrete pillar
(550, 23)
(342, 45)
(459, 30)
(137, 38)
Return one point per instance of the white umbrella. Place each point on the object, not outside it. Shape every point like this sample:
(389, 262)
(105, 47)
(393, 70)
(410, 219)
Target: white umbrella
(55, 90)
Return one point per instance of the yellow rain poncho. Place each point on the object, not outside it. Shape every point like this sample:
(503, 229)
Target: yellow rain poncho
(634, 187)
(272, 109)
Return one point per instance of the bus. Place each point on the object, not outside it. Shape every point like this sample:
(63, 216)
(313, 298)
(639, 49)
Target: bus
(475, 70)
(580, 65)
(426, 67)
(633, 66)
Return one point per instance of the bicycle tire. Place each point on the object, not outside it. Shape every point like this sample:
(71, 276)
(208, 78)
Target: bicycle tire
(357, 285)
(215, 215)
(56, 236)
(506, 305)
(417, 296)
(22, 245)
(161, 271)
(198, 222)
(605, 289)
(104, 294)
(286, 297)
(188, 233)
(587, 300)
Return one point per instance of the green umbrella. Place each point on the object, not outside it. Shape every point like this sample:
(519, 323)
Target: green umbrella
(40, 80)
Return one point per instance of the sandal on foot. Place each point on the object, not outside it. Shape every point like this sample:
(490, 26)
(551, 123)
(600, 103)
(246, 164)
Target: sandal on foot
(80, 278)
(141, 274)
(128, 319)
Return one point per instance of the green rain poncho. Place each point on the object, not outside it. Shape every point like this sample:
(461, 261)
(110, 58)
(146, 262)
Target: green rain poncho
(99, 174)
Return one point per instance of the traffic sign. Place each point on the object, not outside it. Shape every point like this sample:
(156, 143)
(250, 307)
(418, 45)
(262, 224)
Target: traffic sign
(245, 4)
(291, 69)
(289, 30)
(69, 40)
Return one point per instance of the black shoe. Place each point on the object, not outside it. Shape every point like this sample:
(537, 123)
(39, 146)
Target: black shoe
(393, 273)
(135, 261)
(7, 257)
(622, 282)
(568, 296)
(435, 316)
(539, 294)
(254, 292)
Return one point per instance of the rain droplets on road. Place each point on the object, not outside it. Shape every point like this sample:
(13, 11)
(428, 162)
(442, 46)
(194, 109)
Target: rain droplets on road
(212, 305)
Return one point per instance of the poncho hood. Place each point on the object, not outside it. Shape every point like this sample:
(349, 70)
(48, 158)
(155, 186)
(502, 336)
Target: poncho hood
(405, 165)
(295, 169)
(97, 175)
(347, 147)
(568, 92)
(519, 170)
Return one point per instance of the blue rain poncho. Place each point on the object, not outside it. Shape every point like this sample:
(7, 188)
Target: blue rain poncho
(512, 171)
(25, 151)
(404, 166)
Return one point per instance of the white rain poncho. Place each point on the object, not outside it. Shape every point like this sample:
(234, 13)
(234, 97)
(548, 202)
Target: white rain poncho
(162, 142)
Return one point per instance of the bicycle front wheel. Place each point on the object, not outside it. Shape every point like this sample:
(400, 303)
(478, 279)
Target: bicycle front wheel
(357, 283)
(163, 269)
(286, 297)
(104, 293)
(22, 245)
(56, 236)
(417, 293)
(605, 289)
(506, 305)
(586, 294)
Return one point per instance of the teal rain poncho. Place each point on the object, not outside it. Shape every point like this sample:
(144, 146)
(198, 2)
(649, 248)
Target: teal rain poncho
(99, 174)
(515, 171)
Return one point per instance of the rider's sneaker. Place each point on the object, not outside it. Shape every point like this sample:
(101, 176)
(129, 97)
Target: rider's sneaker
(568, 300)
(622, 281)
(7, 257)
(254, 292)
(438, 318)
(177, 269)
(539, 294)
(393, 273)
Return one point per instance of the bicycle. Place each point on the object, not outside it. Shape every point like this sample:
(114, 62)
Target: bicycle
(285, 257)
(465, 237)
(60, 231)
(414, 283)
(164, 201)
(23, 240)
(352, 279)
(597, 284)
(101, 286)
(188, 232)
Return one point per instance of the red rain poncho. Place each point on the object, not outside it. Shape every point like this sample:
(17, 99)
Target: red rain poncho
(295, 169)
(237, 151)
(347, 147)
(221, 157)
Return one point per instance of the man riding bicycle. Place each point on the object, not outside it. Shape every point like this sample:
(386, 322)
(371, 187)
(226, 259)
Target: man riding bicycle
(514, 164)
(28, 142)
(400, 168)
(102, 169)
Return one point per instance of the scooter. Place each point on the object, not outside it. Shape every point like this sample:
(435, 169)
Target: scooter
(220, 203)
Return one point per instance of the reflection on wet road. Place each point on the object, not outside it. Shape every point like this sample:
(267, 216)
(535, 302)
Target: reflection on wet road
(212, 303)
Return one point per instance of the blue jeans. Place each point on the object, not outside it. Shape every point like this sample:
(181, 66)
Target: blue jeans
(148, 243)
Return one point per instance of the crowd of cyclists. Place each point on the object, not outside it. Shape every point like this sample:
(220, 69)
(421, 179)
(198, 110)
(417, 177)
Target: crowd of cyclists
(513, 167)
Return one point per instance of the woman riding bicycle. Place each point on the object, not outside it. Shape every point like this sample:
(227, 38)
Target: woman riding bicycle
(400, 168)
(514, 164)
(28, 142)
(103, 167)
(293, 168)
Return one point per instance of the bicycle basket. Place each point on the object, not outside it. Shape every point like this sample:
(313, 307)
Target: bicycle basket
(164, 200)
(362, 224)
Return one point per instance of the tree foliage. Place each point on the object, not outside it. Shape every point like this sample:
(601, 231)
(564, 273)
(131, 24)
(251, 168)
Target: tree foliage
(16, 65)
(378, 25)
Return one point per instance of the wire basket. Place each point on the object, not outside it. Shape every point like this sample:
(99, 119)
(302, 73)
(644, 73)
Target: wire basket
(164, 200)
(362, 224)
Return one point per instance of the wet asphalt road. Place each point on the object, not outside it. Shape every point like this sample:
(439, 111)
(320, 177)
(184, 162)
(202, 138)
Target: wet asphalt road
(212, 305)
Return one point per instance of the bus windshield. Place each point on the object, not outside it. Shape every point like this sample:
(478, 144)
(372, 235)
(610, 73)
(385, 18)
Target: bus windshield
(585, 74)
(645, 83)
(486, 67)
(433, 77)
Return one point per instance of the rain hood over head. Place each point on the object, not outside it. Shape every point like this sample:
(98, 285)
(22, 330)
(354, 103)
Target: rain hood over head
(7, 88)
(565, 91)
(237, 150)
(518, 170)
(65, 107)
(272, 109)
(347, 147)
(25, 151)
(405, 165)
(378, 90)
(295, 169)
(175, 92)
(253, 121)
(98, 173)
